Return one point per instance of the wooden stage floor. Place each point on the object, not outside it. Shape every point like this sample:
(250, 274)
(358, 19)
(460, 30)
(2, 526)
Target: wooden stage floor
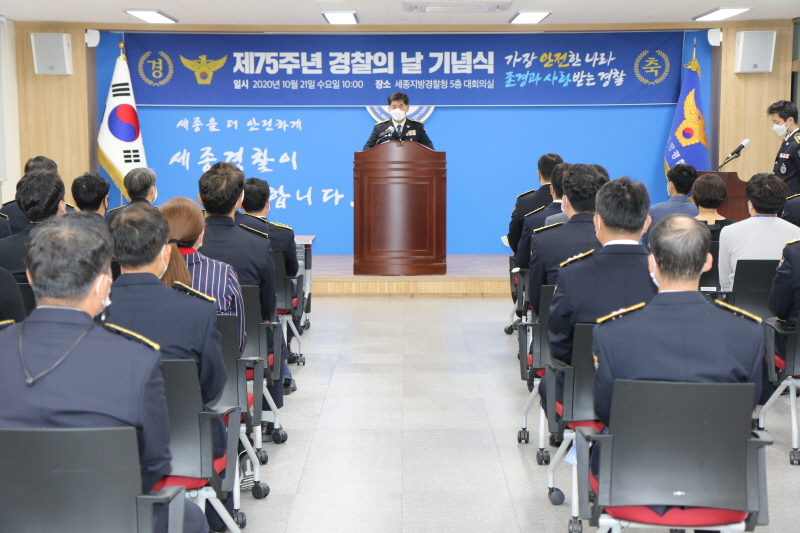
(467, 276)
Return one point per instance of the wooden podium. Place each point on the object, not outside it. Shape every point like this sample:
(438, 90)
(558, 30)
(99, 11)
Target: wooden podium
(400, 210)
(735, 206)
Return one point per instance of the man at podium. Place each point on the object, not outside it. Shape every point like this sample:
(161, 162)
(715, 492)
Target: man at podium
(398, 128)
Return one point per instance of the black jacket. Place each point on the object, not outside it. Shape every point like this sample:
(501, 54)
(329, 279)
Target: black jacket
(412, 131)
(526, 202)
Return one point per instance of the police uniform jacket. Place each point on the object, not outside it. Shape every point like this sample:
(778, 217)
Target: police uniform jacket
(787, 162)
(281, 237)
(531, 221)
(5, 226)
(678, 336)
(11, 254)
(15, 216)
(107, 381)
(412, 130)
(526, 202)
(184, 326)
(551, 246)
(784, 298)
(791, 210)
(117, 210)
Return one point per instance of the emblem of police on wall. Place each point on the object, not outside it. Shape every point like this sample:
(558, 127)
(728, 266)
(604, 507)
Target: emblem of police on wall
(203, 68)
(152, 71)
(651, 68)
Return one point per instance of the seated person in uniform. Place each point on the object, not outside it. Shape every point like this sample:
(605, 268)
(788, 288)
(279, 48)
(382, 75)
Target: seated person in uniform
(784, 297)
(558, 192)
(680, 179)
(763, 235)
(11, 210)
(398, 128)
(791, 210)
(536, 218)
(140, 184)
(40, 195)
(532, 200)
(552, 245)
(708, 193)
(90, 193)
(83, 373)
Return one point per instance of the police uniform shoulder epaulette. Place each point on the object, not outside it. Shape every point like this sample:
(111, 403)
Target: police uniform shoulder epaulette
(412, 120)
(797, 137)
(738, 312)
(248, 228)
(6, 323)
(69, 205)
(792, 196)
(794, 241)
(280, 225)
(9, 202)
(3, 215)
(185, 289)
(622, 312)
(534, 211)
(577, 257)
(382, 122)
(128, 334)
(115, 208)
(537, 230)
(526, 192)
(262, 219)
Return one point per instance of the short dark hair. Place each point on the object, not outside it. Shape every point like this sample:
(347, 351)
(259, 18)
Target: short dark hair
(680, 244)
(220, 188)
(767, 193)
(256, 195)
(394, 97)
(623, 204)
(40, 162)
(580, 184)
(546, 164)
(140, 231)
(682, 177)
(601, 170)
(709, 191)
(89, 191)
(556, 178)
(66, 254)
(139, 181)
(39, 193)
(784, 109)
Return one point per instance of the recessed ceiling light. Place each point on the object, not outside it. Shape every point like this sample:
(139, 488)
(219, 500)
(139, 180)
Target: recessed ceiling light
(721, 13)
(530, 17)
(340, 17)
(153, 16)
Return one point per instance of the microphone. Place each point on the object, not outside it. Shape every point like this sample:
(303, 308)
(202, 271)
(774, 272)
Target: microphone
(390, 130)
(740, 147)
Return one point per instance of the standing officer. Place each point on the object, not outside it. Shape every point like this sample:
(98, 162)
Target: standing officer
(552, 245)
(787, 163)
(532, 200)
(536, 218)
(399, 128)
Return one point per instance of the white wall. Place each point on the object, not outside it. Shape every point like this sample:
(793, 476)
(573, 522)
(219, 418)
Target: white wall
(9, 114)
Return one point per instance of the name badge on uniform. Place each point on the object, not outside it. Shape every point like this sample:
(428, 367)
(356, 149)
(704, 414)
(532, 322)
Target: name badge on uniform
(411, 132)
(784, 156)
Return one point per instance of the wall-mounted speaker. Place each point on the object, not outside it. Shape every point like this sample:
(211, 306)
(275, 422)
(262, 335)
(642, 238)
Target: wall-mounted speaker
(52, 53)
(754, 51)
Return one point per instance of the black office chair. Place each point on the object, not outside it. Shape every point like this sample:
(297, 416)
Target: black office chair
(12, 307)
(752, 284)
(191, 442)
(91, 482)
(516, 282)
(783, 372)
(116, 270)
(28, 298)
(655, 454)
(709, 281)
(305, 250)
(289, 308)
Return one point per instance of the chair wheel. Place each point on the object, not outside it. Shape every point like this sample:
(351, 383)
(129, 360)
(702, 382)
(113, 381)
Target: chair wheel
(240, 518)
(543, 457)
(279, 436)
(575, 525)
(523, 435)
(260, 491)
(677, 531)
(307, 325)
(508, 330)
(263, 458)
(301, 330)
(794, 457)
(266, 429)
(301, 360)
(555, 495)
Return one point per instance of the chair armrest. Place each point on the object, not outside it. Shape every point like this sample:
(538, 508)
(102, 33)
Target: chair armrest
(772, 329)
(757, 479)
(582, 440)
(274, 372)
(207, 446)
(523, 342)
(515, 270)
(550, 384)
(258, 384)
(174, 497)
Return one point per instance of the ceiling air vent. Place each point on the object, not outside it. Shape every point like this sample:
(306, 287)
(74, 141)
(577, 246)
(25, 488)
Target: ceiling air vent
(455, 6)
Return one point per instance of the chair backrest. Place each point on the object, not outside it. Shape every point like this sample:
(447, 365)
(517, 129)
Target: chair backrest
(11, 305)
(679, 444)
(512, 276)
(234, 392)
(69, 480)
(184, 403)
(116, 270)
(580, 404)
(28, 298)
(542, 358)
(252, 317)
(283, 286)
(711, 278)
(752, 284)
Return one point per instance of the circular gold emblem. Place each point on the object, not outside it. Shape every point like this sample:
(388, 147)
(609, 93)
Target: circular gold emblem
(652, 67)
(152, 71)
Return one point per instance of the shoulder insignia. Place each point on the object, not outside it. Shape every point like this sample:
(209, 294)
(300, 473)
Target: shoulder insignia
(797, 137)
(382, 122)
(185, 289)
(115, 208)
(526, 192)
(9, 202)
(792, 196)
(6, 323)
(577, 257)
(738, 312)
(412, 120)
(69, 205)
(535, 211)
(622, 312)
(3, 215)
(794, 241)
(262, 219)
(128, 334)
(248, 228)
(280, 225)
(537, 230)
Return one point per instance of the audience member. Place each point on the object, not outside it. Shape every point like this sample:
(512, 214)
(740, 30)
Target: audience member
(708, 193)
(763, 235)
(90, 193)
(140, 184)
(533, 199)
(552, 245)
(680, 179)
(536, 218)
(5, 226)
(791, 210)
(17, 219)
(784, 297)
(40, 195)
(63, 369)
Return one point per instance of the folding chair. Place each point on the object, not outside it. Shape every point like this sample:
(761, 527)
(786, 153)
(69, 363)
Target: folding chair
(191, 442)
(532, 367)
(11, 305)
(92, 482)
(713, 474)
(786, 375)
(235, 393)
(709, 281)
(28, 298)
(289, 307)
(516, 282)
(752, 284)
(304, 247)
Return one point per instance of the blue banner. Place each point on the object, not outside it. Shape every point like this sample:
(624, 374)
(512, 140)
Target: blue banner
(435, 70)
(688, 139)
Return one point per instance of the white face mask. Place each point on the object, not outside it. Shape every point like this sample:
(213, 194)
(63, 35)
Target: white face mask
(105, 301)
(155, 194)
(653, 277)
(163, 263)
(780, 129)
(397, 114)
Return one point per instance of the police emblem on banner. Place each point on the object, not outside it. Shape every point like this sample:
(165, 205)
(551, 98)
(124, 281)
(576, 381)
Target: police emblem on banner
(651, 68)
(155, 70)
(415, 112)
(203, 67)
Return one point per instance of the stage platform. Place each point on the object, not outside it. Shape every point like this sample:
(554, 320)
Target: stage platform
(467, 276)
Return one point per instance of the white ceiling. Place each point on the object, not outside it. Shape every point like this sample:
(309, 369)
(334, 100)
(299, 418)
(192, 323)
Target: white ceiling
(384, 12)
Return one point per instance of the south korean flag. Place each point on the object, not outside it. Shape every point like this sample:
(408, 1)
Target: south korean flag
(120, 148)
